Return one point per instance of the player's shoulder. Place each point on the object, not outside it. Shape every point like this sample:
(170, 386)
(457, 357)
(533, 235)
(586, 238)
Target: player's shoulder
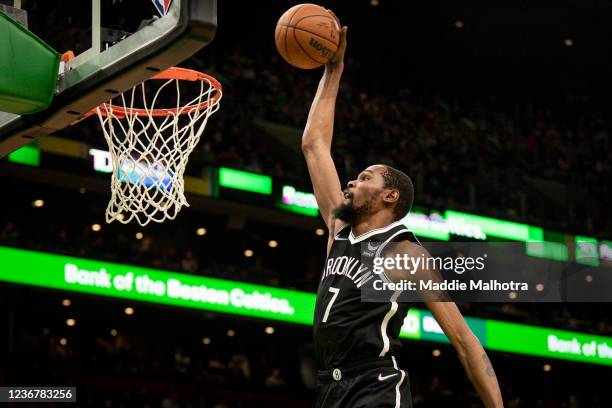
(338, 231)
(340, 228)
(409, 245)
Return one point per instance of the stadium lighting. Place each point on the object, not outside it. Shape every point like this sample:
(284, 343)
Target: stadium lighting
(512, 295)
(248, 253)
(38, 203)
(70, 322)
(231, 333)
(82, 190)
(319, 231)
(547, 367)
(129, 311)
(206, 341)
(568, 42)
(66, 302)
(459, 24)
(63, 341)
(588, 278)
(113, 332)
(139, 235)
(120, 217)
(269, 330)
(96, 227)
(272, 244)
(201, 231)
(436, 353)
(540, 287)
(374, 3)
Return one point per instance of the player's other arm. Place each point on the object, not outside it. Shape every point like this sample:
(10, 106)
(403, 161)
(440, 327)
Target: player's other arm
(473, 357)
(471, 353)
(317, 138)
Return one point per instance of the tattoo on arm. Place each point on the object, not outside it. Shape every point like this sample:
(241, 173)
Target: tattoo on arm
(488, 367)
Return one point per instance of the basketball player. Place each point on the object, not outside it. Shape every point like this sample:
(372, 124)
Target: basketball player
(356, 342)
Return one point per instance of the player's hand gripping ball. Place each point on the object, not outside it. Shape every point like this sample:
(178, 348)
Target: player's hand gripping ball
(307, 36)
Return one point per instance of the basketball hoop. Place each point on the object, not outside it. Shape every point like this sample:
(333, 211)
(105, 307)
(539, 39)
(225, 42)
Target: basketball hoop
(150, 146)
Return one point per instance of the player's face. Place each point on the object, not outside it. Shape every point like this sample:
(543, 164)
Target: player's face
(366, 188)
(362, 196)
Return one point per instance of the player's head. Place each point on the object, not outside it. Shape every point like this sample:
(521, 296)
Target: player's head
(377, 188)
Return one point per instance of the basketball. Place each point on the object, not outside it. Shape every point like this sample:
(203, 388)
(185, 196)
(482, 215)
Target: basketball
(307, 36)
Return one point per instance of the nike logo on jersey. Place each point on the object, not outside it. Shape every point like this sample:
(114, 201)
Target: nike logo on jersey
(381, 378)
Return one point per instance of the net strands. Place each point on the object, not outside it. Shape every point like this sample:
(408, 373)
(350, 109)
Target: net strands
(150, 148)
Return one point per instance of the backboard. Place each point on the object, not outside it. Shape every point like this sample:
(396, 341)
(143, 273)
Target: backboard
(117, 44)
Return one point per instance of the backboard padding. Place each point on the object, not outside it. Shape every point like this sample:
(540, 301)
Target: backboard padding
(189, 26)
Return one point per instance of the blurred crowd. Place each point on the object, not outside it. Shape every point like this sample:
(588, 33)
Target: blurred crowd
(539, 164)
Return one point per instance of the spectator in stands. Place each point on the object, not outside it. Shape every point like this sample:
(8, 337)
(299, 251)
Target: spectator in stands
(274, 380)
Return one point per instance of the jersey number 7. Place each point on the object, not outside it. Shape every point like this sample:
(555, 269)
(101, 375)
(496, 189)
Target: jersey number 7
(335, 291)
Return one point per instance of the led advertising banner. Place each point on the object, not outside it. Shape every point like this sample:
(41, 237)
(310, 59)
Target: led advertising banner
(298, 201)
(498, 228)
(155, 286)
(586, 251)
(605, 253)
(244, 180)
(545, 342)
(440, 227)
(517, 338)
(238, 298)
(28, 155)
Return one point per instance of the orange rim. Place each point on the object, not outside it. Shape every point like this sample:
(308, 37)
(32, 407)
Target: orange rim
(181, 74)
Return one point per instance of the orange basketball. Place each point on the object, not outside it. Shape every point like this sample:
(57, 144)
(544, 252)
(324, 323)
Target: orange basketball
(307, 36)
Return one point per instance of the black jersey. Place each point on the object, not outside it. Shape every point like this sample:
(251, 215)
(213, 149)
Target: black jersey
(347, 330)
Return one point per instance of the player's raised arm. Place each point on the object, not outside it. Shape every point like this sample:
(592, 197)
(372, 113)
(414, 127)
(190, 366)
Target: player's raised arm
(317, 138)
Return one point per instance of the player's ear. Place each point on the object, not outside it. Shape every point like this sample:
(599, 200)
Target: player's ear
(391, 196)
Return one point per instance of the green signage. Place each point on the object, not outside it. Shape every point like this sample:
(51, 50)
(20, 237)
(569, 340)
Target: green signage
(298, 202)
(440, 227)
(421, 225)
(421, 325)
(556, 251)
(545, 342)
(244, 180)
(411, 329)
(499, 228)
(155, 286)
(28, 155)
(586, 251)
(605, 251)
(196, 292)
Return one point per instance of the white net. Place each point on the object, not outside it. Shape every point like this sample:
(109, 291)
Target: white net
(150, 146)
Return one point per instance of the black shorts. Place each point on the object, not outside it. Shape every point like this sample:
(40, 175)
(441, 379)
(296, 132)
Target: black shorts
(371, 387)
